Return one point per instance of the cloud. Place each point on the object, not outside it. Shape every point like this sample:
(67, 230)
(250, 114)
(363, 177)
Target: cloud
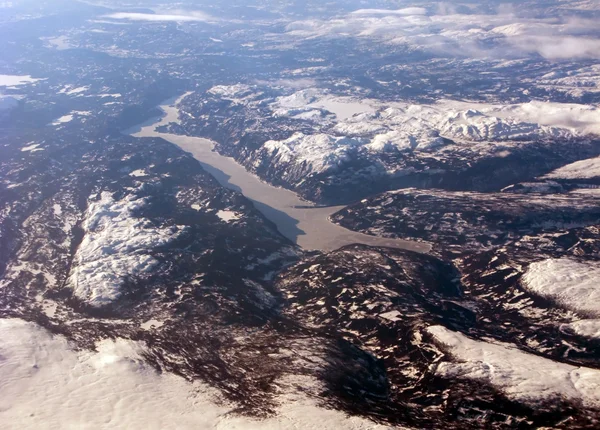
(559, 47)
(446, 31)
(403, 12)
(300, 83)
(176, 16)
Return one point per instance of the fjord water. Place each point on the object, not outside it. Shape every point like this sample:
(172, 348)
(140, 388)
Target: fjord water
(300, 221)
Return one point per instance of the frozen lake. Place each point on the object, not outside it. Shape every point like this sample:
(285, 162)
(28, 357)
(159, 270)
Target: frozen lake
(295, 218)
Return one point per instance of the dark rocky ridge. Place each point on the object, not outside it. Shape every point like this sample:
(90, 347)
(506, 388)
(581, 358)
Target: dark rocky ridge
(382, 300)
(464, 222)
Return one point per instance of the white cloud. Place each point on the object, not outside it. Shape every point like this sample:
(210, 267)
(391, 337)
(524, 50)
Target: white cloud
(177, 16)
(300, 83)
(403, 12)
(557, 47)
(503, 34)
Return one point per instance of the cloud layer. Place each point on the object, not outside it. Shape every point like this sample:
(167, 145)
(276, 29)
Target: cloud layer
(176, 16)
(458, 32)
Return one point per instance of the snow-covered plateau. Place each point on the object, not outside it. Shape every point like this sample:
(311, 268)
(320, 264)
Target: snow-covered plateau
(569, 282)
(117, 245)
(523, 377)
(47, 383)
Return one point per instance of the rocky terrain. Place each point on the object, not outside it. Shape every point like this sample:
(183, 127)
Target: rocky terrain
(528, 276)
(464, 222)
(137, 291)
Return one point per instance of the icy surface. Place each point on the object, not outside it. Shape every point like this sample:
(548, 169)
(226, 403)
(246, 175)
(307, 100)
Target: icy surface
(573, 284)
(116, 246)
(521, 376)
(292, 215)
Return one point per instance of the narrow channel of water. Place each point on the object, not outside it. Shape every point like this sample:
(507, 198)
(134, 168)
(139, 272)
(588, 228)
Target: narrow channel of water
(295, 218)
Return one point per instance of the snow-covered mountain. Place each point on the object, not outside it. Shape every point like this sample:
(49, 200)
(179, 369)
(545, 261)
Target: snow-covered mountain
(329, 142)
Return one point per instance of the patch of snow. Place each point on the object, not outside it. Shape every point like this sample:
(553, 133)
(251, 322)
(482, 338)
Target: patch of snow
(571, 283)
(391, 315)
(343, 107)
(115, 247)
(315, 99)
(138, 173)
(228, 216)
(115, 95)
(32, 148)
(521, 376)
(299, 99)
(69, 117)
(583, 169)
(16, 80)
(152, 324)
(196, 207)
(585, 328)
(592, 192)
(49, 308)
(70, 90)
(45, 383)
(60, 43)
(62, 120)
(230, 91)
(238, 94)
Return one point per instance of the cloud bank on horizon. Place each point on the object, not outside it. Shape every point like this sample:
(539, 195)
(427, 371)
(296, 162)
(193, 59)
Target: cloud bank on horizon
(172, 16)
(554, 31)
